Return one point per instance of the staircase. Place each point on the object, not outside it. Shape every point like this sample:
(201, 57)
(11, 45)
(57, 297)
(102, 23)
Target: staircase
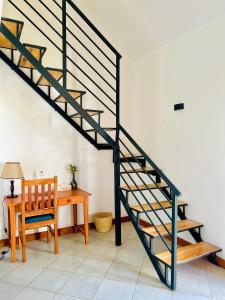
(144, 190)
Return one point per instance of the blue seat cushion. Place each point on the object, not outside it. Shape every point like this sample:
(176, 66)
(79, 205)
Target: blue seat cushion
(39, 218)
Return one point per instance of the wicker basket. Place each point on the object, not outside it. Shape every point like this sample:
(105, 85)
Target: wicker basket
(103, 221)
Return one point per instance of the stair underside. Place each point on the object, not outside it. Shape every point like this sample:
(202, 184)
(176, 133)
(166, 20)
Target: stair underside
(57, 74)
(182, 225)
(143, 187)
(188, 253)
(128, 155)
(156, 206)
(91, 113)
(15, 27)
(141, 170)
(106, 129)
(36, 51)
(73, 93)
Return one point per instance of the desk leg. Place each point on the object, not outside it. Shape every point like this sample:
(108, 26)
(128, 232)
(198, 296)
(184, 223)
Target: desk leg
(86, 219)
(75, 217)
(9, 228)
(12, 217)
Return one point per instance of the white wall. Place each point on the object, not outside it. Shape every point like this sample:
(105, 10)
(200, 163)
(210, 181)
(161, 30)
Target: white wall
(189, 145)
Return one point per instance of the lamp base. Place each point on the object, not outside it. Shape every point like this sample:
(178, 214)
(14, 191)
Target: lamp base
(12, 196)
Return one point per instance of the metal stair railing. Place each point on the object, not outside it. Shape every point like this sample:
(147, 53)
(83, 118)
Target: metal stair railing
(94, 87)
(141, 197)
(59, 88)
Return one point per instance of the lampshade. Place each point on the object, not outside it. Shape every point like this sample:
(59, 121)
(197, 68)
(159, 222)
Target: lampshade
(12, 170)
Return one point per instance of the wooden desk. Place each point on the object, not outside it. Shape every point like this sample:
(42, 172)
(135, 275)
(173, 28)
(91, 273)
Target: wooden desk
(67, 197)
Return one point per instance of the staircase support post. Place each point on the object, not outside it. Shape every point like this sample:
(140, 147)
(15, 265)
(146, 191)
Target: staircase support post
(174, 242)
(64, 47)
(116, 153)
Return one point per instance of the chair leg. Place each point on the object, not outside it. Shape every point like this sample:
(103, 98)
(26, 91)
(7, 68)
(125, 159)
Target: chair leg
(48, 234)
(56, 238)
(23, 247)
(23, 239)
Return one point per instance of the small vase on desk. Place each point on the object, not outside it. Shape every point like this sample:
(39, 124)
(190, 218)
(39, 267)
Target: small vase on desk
(73, 183)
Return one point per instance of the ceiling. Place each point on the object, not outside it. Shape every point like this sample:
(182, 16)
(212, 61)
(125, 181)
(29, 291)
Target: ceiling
(136, 27)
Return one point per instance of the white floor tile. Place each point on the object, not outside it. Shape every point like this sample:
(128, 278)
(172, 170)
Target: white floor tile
(6, 267)
(81, 286)
(143, 292)
(29, 293)
(79, 250)
(9, 291)
(149, 277)
(22, 275)
(103, 253)
(184, 296)
(193, 284)
(40, 259)
(113, 290)
(126, 256)
(123, 272)
(50, 280)
(66, 263)
(94, 267)
(64, 297)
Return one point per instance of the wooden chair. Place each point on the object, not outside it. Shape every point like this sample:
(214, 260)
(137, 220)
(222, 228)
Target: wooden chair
(39, 209)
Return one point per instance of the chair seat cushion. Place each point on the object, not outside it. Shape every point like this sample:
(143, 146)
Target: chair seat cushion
(39, 218)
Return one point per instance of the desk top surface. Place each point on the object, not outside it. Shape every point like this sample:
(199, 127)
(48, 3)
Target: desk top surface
(60, 194)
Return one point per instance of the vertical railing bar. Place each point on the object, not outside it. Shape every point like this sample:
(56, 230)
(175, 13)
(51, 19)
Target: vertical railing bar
(174, 242)
(64, 48)
(117, 159)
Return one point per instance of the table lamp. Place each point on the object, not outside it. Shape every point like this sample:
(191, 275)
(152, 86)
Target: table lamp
(12, 170)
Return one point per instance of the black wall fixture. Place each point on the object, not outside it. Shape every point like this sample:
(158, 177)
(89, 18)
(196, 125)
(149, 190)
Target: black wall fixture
(178, 106)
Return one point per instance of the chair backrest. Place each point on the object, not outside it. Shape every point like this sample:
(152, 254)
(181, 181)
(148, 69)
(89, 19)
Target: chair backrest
(39, 196)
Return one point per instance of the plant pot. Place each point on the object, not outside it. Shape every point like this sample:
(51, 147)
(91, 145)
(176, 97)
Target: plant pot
(103, 221)
(73, 183)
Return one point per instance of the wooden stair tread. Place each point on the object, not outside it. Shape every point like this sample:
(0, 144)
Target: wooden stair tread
(142, 187)
(36, 51)
(139, 170)
(156, 206)
(91, 113)
(57, 74)
(182, 225)
(128, 155)
(105, 128)
(188, 253)
(73, 93)
(15, 27)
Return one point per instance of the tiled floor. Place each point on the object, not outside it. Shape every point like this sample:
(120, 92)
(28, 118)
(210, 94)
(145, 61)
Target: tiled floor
(100, 271)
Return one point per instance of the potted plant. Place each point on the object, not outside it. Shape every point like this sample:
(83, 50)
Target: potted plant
(73, 169)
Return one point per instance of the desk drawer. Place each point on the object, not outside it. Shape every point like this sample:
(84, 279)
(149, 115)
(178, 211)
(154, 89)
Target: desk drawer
(70, 200)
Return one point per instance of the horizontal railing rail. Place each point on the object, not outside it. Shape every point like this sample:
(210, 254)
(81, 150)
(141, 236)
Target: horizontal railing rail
(75, 64)
(92, 26)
